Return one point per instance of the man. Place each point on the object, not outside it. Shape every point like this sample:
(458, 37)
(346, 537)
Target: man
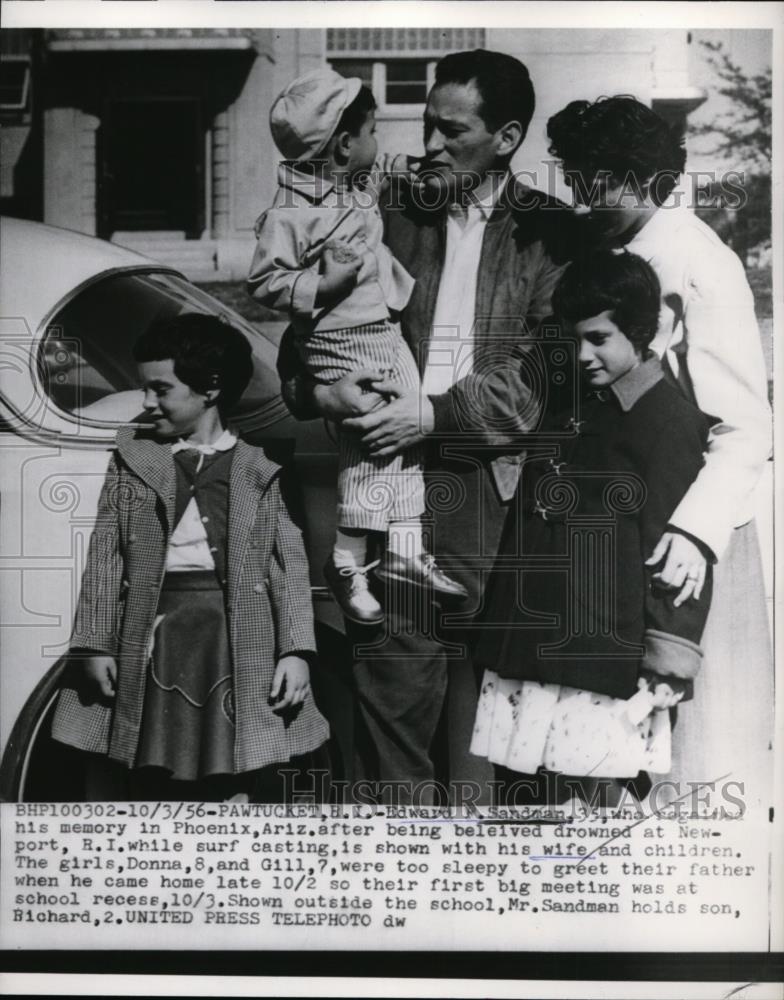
(485, 252)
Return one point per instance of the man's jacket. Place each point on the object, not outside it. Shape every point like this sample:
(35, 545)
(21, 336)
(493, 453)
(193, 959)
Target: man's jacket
(526, 245)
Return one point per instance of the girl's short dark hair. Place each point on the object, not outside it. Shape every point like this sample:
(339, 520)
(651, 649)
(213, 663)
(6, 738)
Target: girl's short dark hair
(619, 136)
(207, 353)
(356, 114)
(503, 83)
(621, 283)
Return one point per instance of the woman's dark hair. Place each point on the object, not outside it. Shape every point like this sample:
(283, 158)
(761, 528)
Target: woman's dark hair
(502, 81)
(621, 137)
(621, 283)
(207, 354)
(355, 115)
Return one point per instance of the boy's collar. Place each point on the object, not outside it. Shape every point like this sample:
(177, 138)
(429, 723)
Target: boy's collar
(629, 388)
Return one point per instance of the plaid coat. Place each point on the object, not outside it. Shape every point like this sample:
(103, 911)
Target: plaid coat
(267, 603)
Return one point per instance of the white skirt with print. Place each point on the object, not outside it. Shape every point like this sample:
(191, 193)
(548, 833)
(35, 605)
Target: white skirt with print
(524, 725)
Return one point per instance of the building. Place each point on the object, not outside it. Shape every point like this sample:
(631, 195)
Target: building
(158, 139)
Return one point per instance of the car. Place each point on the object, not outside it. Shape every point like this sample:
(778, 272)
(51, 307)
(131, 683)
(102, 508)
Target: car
(72, 307)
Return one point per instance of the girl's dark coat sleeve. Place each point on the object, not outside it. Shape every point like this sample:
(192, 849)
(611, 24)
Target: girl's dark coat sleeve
(672, 635)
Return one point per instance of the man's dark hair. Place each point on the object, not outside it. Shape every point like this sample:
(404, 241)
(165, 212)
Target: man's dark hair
(355, 115)
(621, 137)
(207, 354)
(621, 283)
(502, 81)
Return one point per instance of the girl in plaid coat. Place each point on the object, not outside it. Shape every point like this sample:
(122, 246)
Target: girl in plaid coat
(194, 626)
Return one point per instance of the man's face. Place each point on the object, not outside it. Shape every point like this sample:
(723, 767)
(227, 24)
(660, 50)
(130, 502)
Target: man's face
(611, 207)
(459, 149)
(605, 351)
(176, 410)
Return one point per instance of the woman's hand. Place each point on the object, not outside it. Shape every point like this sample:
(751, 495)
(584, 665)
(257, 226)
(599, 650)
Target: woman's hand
(100, 672)
(291, 683)
(684, 568)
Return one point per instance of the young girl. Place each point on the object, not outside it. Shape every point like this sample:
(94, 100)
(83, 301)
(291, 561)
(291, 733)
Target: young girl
(194, 626)
(320, 258)
(623, 161)
(583, 652)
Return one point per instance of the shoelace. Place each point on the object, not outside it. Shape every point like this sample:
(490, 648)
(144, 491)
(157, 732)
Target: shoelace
(358, 573)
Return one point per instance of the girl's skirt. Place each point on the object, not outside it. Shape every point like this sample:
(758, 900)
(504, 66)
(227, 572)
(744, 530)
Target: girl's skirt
(188, 717)
(525, 725)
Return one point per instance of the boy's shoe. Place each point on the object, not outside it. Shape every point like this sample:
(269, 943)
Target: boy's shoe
(350, 588)
(421, 571)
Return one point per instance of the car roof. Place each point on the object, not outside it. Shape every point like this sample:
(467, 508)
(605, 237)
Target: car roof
(40, 264)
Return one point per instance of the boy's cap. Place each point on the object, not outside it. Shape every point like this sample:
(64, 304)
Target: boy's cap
(305, 114)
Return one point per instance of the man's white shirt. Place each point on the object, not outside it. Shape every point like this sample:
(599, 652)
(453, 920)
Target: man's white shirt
(450, 354)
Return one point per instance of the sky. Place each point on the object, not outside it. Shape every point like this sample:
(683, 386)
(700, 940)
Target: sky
(749, 49)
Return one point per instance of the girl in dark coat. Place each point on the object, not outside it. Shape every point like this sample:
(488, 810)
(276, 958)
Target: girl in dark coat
(194, 625)
(582, 651)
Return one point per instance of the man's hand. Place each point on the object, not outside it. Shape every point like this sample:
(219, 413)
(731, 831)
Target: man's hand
(684, 568)
(100, 672)
(350, 396)
(290, 684)
(407, 419)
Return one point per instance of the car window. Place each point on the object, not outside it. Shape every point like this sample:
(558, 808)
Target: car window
(86, 364)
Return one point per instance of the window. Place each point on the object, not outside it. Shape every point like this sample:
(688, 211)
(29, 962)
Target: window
(402, 42)
(363, 68)
(14, 83)
(398, 85)
(406, 81)
(86, 361)
(398, 64)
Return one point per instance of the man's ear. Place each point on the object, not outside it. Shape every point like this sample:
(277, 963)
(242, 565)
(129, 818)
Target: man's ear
(509, 137)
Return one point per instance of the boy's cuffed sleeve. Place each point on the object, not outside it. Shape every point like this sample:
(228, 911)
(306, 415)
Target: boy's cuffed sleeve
(277, 277)
(290, 598)
(98, 612)
(672, 634)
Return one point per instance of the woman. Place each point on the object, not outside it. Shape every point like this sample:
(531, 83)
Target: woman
(623, 162)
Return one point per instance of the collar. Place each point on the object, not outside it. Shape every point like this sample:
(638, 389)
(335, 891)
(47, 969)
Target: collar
(315, 187)
(659, 226)
(224, 442)
(629, 388)
(485, 206)
(251, 473)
